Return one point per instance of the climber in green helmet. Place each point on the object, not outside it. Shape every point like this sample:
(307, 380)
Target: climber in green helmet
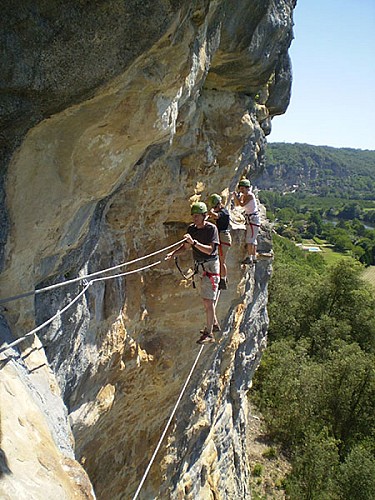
(221, 216)
(198, 208)
(203, 238)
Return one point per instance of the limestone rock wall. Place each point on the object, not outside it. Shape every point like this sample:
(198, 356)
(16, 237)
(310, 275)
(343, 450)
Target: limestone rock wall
(115, 116)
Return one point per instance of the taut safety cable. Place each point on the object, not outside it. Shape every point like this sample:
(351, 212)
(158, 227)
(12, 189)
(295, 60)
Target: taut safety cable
(167, 425)
(85, 277)
(32, 332)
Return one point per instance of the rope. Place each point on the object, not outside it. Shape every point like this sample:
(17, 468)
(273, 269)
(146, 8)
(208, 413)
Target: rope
(50, 320)
(166, 427)
(97, 273)
(32, 332)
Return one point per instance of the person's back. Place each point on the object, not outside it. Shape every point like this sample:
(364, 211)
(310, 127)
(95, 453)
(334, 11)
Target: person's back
(221, 216)
(223, 220)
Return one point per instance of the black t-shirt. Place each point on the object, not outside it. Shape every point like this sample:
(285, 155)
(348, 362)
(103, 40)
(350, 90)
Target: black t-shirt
(206, 235)
(222, 222)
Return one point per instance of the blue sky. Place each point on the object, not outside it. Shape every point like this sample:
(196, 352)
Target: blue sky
(333, 91)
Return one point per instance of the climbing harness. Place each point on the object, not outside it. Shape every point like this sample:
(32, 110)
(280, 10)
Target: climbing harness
(209, 275)
(250, 223)
(223, 243)
(189, 274)
(192, 272)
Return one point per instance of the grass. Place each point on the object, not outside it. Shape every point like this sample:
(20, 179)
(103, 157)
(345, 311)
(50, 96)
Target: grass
(319, 241)
(331, 256)
(369, 275)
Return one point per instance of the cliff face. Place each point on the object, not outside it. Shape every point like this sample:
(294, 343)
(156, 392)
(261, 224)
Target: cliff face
(115, 116)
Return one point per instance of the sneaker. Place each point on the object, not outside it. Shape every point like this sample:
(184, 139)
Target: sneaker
(248, 260)
(223, 285)
(206, 338)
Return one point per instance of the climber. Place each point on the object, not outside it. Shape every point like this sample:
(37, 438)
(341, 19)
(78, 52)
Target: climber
(221, 215)
(245, 198)
(203, 238)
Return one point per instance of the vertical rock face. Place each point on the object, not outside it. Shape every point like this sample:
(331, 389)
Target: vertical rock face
(115, 117)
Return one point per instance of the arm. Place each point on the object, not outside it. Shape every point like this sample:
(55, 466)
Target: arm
(245, 198)
(181, 249)
(208, 249)
(236, 198)
(213, 214)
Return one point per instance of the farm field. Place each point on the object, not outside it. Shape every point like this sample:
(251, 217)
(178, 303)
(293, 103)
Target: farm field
(369, 275)
(327, 251)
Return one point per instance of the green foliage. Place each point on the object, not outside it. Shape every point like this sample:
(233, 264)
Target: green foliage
(317, 300)
(349, 396)
(356, 478)
(335, 172)
(304, 187)
(314, 468)
(270, 453)
(316, 383)
(283, 386)
(257, 470)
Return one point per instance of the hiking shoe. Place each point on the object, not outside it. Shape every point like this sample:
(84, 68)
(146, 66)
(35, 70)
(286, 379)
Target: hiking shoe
(248, 260)
(206, 338)
(223, 284)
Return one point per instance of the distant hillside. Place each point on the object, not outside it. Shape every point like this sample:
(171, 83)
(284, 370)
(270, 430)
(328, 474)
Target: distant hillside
(322, 170)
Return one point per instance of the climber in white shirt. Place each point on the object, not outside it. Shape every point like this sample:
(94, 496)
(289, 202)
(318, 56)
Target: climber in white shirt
(245, 198)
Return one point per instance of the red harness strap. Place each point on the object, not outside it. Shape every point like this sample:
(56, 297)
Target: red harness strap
(210, 276)
(220, 247)
(251, 224)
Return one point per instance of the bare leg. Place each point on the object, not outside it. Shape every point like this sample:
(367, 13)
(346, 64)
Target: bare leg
(209, 306)
(223, 268)
(216, 301)
(251, 249)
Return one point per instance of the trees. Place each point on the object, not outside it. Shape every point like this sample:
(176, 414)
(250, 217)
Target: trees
(350, 211)
(315, 465)
(316, 382)
(343, 173)
(310, 183)
(356, 475)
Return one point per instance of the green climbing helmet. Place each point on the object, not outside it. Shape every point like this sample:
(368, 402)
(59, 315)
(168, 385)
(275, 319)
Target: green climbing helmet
(245, 183)
(198, 208)
(214, 200)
